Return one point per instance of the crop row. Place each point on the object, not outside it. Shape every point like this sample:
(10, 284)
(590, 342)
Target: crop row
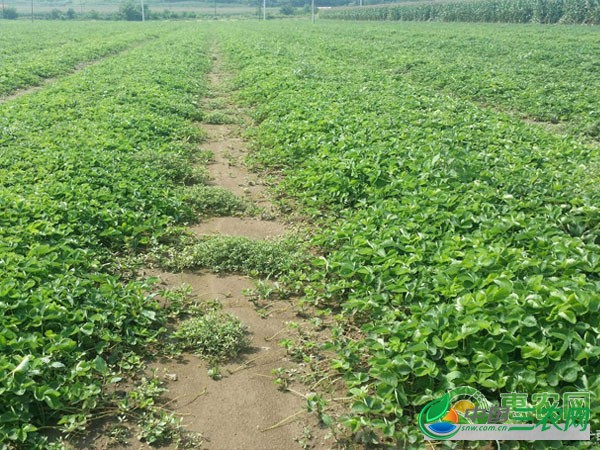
(30, 53)
(460, 245)
(512, 11)
(539, 73)
(92, 169)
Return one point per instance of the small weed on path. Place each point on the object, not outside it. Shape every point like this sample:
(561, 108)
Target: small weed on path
(234, 254)
(214, 335)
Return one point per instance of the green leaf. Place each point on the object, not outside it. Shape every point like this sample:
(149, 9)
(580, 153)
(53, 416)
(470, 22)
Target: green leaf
(100, 365)
(569, 316)
(327, 420)
(534, 350)
(360, 407)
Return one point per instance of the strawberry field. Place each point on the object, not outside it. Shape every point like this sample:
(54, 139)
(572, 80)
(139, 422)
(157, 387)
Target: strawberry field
(448, 175)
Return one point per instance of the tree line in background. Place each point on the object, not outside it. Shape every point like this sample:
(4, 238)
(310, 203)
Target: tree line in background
(131, 10)
(128, 10)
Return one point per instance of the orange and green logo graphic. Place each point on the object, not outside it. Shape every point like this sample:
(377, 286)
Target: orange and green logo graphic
(465, 414)
(440, 418)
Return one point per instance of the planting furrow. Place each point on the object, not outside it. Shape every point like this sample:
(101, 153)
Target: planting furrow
(35, 57)
(42, 83)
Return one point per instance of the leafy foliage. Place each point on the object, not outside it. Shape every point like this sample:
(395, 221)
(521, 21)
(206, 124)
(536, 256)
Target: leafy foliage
(235, 254)
(75, 196)
(215, 201)
(218, 118)
(549, 75)
(213, 335)
(48, 50)
(460, 244)
(9, 13)
(130, 10)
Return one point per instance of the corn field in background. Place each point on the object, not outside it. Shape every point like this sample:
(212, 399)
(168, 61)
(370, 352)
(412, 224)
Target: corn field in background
(513, 11)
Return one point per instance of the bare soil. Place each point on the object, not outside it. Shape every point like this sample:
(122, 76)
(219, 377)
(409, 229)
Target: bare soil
(227, 168)
(237, 411)
(238, 226)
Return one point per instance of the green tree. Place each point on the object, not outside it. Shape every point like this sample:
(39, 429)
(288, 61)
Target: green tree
(130, 10)
(9, 13)
(287, 10)
(56, 14)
